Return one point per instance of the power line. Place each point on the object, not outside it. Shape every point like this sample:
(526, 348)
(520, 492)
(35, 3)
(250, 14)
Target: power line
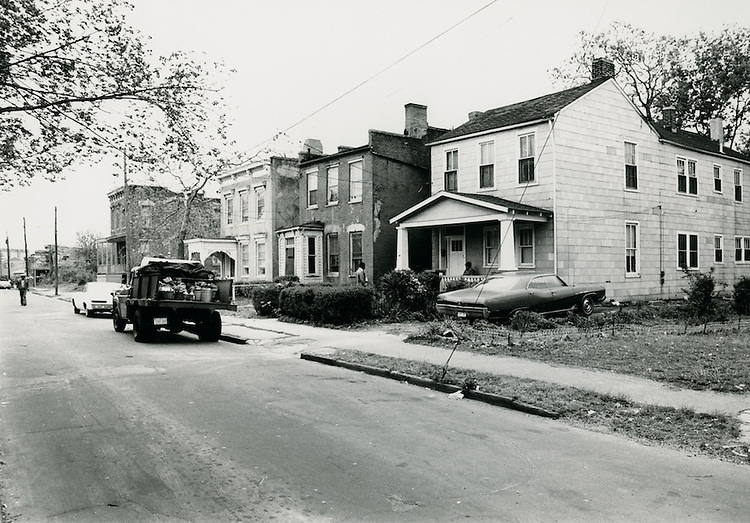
(393, 64)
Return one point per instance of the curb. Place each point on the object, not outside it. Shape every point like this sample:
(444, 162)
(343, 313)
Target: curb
(491, 399)
(233, 339)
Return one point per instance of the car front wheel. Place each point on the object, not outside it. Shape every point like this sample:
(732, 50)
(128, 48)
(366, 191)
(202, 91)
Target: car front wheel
(76, 310)
(587, 306)
(117, 321)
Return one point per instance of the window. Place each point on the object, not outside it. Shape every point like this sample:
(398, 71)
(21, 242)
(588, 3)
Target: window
(491, 246)
(526, 246)
(228, 208)
(312, 189)
(742, 249)
(355, 181)
(355, 248)
(631, 167)
(260, 258)
(631, 249)
(332, 180)
(737, 185)
(244, 206)
(333, 253)
(486, 165)
(311, 255)
(450, 182)
(146, 209)
(526, 159)
(245, 258)
(717, 178)
(718, 249)
(687, 251)
(687, 178)
(260, 203)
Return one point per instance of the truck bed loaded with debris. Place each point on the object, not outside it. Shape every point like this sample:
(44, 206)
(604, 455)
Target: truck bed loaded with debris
(172, 294)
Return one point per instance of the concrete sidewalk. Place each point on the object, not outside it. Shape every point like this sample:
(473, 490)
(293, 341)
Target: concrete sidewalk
(303, 338)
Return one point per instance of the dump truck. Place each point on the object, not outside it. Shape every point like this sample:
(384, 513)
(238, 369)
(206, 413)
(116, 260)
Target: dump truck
(171, 294)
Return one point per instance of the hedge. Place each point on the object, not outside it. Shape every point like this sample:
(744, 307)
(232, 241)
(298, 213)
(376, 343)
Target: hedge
(327, 304)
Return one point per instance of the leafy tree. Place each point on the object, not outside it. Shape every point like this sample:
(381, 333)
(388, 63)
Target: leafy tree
(742, 297)
(642, 63)
(77, 81)
(85, 253)
(703, 76)
(713, 80)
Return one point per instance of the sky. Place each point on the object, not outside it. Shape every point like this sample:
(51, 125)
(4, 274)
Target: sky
(333, 69)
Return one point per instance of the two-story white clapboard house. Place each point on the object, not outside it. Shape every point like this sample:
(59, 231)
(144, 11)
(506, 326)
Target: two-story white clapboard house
(579, 183)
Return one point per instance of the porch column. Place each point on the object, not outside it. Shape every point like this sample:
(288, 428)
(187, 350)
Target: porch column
(402, 248)
(507, 246)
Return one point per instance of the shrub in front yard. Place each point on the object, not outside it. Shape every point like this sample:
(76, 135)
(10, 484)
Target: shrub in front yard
(741, 296)
(528, 321)
(407, 294)
(327, 304)
(454, 285)
(701, 297)
(266, 299)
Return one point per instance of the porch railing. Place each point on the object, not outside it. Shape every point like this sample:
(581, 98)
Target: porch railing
(472, 280)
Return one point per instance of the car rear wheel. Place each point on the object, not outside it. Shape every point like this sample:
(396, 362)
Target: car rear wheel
(117, 322)
(143, 326)
(587, 306)
(210, 329)
(76, 310)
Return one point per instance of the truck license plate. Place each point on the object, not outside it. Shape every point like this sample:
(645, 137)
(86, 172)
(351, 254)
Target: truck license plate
(160, 321)
(461, 314)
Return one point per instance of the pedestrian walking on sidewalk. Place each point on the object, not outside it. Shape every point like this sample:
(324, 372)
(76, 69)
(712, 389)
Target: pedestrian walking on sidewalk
(23, 287)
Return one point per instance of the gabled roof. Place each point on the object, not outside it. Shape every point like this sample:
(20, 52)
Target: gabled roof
(482, 200)
(541, 108)
(696, 142)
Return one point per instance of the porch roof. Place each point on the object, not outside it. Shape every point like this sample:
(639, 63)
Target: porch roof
(308, 226)
(454, 207)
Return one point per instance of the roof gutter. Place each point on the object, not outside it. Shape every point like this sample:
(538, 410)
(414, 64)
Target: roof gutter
(725, 156)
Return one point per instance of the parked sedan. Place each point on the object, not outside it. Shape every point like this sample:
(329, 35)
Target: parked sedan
(502, 295)
(96, 297)
(5, 284)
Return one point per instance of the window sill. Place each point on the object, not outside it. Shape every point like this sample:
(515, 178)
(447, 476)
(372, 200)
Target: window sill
(332, 204)
(355, 201)
(630, 189)
(632, 275)
(312, 207)
(689, 195)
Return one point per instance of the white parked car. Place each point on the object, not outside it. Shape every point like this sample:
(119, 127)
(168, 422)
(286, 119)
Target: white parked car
(96, 297)
(5, 284)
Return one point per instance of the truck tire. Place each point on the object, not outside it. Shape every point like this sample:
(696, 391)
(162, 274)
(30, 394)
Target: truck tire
(210, 329)
(143, 327)
(117, 322)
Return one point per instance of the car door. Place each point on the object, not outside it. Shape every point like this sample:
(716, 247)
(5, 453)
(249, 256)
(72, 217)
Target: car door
(538, 294)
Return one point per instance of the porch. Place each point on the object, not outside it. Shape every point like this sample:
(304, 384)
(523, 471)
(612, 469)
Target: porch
(491, 233)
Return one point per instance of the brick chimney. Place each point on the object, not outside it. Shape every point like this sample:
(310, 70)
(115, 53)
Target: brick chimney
(669, 119)
(313, 148)
(602, 68)
(416, 120)
(474, 114)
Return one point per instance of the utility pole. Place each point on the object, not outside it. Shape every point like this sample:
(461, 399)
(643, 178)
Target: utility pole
(126, 200)
(56, 266)
(7, 247)
(26, 250)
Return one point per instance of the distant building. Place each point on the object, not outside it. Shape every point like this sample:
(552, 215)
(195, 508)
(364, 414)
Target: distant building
(348, 198)
(145, 221)
(257, 198)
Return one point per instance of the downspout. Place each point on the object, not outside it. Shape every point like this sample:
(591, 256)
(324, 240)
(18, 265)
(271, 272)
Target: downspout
(551, 124)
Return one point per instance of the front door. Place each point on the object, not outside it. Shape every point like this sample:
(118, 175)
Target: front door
(456, 255)
(289, 248)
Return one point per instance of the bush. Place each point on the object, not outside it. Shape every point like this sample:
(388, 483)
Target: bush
(701, 295)
(406, 294)
(741, 296)
(266, 299)
(528, 321)
(337, 305)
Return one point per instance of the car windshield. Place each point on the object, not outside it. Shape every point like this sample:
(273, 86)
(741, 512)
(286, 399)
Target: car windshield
(498, 284)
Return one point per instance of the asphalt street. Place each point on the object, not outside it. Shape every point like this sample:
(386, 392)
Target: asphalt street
(96, 427)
